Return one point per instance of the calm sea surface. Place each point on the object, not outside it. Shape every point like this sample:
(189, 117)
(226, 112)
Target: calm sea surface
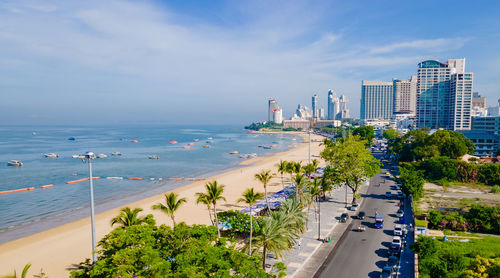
(24, 213)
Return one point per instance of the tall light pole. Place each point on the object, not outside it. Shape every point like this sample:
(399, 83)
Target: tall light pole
(89, 156)
(309, 146)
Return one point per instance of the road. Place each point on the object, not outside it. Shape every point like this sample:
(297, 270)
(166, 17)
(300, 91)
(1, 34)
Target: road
(363, 254)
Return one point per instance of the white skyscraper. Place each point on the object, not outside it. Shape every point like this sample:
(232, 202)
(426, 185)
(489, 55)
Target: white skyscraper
(405, 96)
(278, 115)
(376, 100)
(315, 106)
(271, 106)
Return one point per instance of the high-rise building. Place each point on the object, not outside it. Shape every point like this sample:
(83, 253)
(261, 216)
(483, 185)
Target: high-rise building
(444, 95)
(479, 108)
(377, 98)
(495, 110)
(271, 106)
(331, 105)
(405, 96)
(315, 106)
(278, 115)
(321, 113)
(342, 112)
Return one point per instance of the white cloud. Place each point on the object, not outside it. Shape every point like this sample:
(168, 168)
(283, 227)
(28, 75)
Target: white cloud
(440, 44)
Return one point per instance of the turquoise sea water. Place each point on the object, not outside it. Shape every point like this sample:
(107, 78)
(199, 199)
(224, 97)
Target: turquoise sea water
(24, 213)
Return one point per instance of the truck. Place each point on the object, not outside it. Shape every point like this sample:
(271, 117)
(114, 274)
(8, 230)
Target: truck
(379, 221)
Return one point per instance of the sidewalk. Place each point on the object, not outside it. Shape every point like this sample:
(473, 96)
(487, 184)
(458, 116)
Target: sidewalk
(331, 209)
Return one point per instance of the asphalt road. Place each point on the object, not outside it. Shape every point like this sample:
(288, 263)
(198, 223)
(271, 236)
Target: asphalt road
(363, 254)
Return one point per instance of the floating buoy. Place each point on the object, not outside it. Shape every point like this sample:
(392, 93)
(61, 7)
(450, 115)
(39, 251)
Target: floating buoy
(175, 179)
(17, 190)
(74, 174)
(134, 141)
(114, 178)
(47, 186)
(135, 179)
(80, 180)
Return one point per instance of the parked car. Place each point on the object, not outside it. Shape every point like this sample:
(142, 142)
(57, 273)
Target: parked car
(386, 272)
(361, 215)
(354, 207)
(388, 194)
(396, 242)
(400, 213)
(392, 262)
(343, 217)
(401, 195)
(398, 230)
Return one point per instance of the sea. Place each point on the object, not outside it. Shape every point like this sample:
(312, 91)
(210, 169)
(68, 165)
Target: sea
(29, 212)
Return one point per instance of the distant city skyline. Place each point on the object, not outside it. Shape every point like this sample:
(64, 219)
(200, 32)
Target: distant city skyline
(188, 62)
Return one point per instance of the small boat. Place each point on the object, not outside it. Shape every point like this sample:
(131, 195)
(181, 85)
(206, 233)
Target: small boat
(186, 147)
(210, 138)
(78, 156)
(196, 140)
(260, 146)
(51, 155)
(173, 142)
(266, 147)
(274, 146)
(71, 138)
(116, 153)
(101, 155)
(114, 178)
(190, 144)
(154, 157)
(123, 139)
(134, 141)
(33, 133)
(15, 163)
(234, 152)
(206, 146)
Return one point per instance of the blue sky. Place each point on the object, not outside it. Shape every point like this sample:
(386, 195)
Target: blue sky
(190, 62)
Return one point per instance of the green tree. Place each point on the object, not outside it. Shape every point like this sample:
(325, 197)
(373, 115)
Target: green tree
(181, 251)
(273, 237)
(412, 182)
(250, 198)
(300, 184)
(203, 198)
(282, 168)
(129, 217)
(425, 247)
(391, 134)
(265, 177)
(351, 163)
(172, 204)
(325, 185)
(213, 194)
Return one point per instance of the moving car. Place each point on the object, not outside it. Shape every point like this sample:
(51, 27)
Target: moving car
(400, 213)
(354, 207)
(343, 217)
(361, 215)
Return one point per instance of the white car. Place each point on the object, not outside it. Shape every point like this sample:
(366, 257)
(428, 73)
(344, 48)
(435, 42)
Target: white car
(400, 213)
(354, 207)
(398, 230)
(396, 242)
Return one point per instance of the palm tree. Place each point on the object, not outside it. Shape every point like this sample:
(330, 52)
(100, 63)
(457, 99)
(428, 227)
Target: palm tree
(204, 199)
(273, 237)
(297, 168)
(23, 274)
(309, 169)
(300, 184)
(289, 169)
(264, 177)
(213, 194)
(282, 168)
(172, 204)
(250, 197)
(325, 186)
(128, 217)
(315, 191)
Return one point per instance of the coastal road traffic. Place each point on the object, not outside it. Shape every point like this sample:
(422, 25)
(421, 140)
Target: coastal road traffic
(363, 254)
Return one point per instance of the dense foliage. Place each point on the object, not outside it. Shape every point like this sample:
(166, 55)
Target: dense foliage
(239, 222)
(350, 163)
(259, 126)
(418, 145)
(391, 134)
(473, 258)
(366, 133)
(478, 218)
(182, 251)
(412, 182)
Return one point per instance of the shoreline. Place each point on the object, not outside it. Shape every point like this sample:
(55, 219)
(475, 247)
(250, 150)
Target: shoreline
(60, 248)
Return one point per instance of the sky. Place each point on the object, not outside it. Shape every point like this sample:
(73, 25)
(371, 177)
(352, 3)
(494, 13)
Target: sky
(218, 62)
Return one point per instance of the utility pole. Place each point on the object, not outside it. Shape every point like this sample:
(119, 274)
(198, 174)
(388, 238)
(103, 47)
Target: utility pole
(309, 146)
(90, 156)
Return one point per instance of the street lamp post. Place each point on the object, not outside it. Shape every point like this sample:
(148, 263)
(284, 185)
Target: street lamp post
(89, 156)
(309, 146)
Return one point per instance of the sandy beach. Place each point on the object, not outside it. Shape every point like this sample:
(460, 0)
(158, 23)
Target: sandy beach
(59, 249)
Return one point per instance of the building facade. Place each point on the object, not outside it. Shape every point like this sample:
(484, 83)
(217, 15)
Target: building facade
(489, 124)
(332, 105)
(272, 105)
(377, 99)
(278, 115)
(315, 107)
(444, 95)
(405, 96)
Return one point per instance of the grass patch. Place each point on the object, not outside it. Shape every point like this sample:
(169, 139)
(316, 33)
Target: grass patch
(421, 223)
(495, 189)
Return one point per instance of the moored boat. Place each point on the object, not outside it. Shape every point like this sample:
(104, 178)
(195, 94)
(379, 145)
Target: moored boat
(186, 147)
(51, 155)
(101, 155)
(154, 157)
(234, 152)
(190, 144)
(196, 140)
(116, 154)
(173, 142)
(15, 163)
(71, 138)
(134, 141)
(206, 146)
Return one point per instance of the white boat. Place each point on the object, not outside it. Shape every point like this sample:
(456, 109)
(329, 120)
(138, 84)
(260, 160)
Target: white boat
(234, 152)
(116, 153)
(101, 155)
(51, 155)
(114, 178)
(15, 163)
(154, 157)
(210, 138)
